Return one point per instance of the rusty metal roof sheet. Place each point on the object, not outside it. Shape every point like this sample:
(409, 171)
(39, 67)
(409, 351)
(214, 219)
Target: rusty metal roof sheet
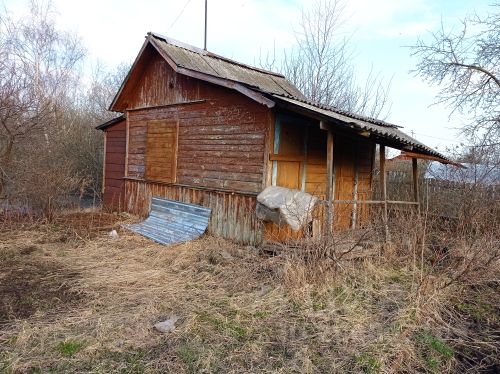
(199, 60)
(171, 221)
(379, 128)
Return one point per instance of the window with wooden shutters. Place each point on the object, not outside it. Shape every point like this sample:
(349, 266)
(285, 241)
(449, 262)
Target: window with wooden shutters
(161, 151)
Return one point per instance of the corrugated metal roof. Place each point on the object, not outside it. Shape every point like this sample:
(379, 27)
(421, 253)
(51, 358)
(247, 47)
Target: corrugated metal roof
(171, 221)
(380, 128)
(205, 62)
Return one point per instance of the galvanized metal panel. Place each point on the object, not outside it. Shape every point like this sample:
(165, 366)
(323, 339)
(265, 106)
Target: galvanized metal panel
(172, 221)
(232, 214)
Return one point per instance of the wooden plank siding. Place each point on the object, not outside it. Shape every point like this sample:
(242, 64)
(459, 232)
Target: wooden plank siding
(233, 214)
(350, 153)
(221, 133)
(114, 166)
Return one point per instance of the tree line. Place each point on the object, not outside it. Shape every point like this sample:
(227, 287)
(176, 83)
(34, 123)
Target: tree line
(51, 101)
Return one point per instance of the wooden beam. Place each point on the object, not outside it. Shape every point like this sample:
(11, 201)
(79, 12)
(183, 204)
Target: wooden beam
(127, 130)
(415, 182)
(103, 187)
(383, 190)
(330, 181)
(406, 155)
(396, 202)
(354, 213)
(297, 158)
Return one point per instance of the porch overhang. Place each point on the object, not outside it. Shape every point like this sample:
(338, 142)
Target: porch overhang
(378, 131)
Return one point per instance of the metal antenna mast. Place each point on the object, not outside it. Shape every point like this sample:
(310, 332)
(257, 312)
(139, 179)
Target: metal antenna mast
(205, 45)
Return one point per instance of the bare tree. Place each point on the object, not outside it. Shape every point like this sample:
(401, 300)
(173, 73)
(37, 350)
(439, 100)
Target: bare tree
(466, 67)
(321, 64)
(38, 67)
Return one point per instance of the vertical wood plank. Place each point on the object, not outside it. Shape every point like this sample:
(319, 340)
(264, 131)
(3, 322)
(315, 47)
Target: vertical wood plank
(416, 197)
(303, 175)
(329, 181)
(355, 187)
(269, 141)
(127, 121)
(276, 148)
(103, 187)
(383, 190)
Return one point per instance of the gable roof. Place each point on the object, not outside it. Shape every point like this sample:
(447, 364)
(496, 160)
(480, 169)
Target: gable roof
(210, 67)
(268, 88)
(202, 61)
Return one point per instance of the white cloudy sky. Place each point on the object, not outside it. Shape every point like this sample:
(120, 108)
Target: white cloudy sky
(114, 30)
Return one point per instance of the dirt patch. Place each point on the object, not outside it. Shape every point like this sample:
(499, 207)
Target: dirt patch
(31, 283)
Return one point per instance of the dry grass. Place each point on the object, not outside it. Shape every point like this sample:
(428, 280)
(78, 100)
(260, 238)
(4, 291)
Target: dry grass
(240, 311)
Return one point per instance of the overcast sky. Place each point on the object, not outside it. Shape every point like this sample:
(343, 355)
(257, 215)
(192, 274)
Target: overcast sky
(113, 32)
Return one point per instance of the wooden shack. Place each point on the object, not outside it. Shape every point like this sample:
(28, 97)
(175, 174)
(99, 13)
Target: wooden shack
(200, 128)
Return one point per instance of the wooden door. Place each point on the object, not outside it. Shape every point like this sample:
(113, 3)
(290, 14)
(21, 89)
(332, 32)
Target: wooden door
(161, 151)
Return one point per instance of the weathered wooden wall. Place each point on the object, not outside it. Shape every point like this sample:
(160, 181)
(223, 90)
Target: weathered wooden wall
(352, 156)
(353, 163)
(114, 166)
(222, 134)
(233, 215)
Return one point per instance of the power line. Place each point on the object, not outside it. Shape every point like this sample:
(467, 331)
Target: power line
(179, 15)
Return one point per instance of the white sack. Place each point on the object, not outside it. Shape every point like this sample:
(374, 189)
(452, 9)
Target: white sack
(294, 207)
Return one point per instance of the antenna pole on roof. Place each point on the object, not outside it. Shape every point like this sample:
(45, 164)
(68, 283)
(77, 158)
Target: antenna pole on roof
(205, 45)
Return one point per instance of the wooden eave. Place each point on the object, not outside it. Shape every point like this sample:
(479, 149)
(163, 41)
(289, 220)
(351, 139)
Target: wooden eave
(405, 155)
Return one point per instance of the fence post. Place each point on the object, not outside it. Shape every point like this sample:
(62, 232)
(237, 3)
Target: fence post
(330, 181)
(416, 196)
(383, 189)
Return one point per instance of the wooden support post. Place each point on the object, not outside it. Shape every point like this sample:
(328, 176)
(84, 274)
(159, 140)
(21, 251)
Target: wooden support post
(127, 136)
(416, 196)
(354, 212)
(330, 181)
(383, 190)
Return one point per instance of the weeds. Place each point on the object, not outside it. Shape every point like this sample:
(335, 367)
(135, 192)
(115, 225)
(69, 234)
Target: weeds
(69, 348)
(388, 311)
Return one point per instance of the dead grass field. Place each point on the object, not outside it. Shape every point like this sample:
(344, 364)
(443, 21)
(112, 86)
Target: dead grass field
(74, 300)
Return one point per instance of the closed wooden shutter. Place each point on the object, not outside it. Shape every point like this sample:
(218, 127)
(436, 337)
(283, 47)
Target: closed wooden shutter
(161, 151)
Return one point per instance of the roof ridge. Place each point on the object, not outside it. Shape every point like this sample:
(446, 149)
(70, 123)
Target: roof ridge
(204, 52)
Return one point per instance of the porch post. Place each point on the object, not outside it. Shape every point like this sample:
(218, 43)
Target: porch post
(416, 196)
(330, 182)
(383, 190)
(354, 213)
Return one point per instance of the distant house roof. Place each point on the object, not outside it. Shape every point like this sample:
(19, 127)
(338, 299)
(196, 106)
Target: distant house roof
(269, 89)
(471, 173)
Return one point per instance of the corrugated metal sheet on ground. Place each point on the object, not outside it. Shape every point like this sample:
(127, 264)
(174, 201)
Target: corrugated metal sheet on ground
(171, 221)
